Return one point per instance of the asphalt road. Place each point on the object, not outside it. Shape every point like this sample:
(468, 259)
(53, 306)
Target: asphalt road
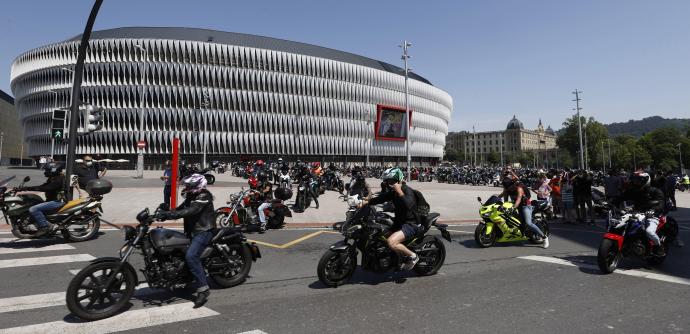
(494, 290)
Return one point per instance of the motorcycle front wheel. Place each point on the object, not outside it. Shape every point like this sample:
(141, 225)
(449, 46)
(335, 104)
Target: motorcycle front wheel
(90, 297)
(335, 268)
(210, 179)
(482, 239)
(237, 269)
(608, 256)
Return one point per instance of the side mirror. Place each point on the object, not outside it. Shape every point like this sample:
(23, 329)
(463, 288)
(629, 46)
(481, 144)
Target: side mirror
(479, 199)
(27, 179)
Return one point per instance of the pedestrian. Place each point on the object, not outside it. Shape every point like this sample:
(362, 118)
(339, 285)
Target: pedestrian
(87, 170)
(582, 190)
(567, 201)
(166, 178)
(555, 185)
(670, 189)
(613, 187)
(42, 162)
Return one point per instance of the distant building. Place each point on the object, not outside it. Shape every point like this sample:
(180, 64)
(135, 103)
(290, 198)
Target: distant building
(514, 139)
(10, 131)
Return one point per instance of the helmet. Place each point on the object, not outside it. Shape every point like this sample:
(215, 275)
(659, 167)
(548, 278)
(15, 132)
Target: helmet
(193, 183)
(639, 180)
(392, 174)
(52, 169)
(508, 182)
(259, 162)
(280, 159)
(253, 182)
(283, 193)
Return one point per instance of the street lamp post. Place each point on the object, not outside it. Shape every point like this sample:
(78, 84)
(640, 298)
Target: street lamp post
(205, 104)
(52, 140)
(680, 158)
(140, 155)
(405, 57)
(366, 164)
(579, 126)
(2, 136)
(501, 147)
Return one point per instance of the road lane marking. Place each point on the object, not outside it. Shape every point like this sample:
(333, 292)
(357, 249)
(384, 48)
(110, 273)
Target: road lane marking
(628, 272)
(38, 261)
(30, 249)
(463, 232)
(142, 318)
(293, 242)
(256, 331)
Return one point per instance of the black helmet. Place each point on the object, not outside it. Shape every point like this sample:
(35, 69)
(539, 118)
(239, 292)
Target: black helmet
(508, 182)
(52, 169)
(283, 193)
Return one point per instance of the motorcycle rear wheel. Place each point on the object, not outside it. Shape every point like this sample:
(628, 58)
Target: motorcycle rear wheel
(90, 231)
(543, 226)
(234, 275)
(429, 264)
(210, 179)
(335, 268)
(608, 256)
(95, 292)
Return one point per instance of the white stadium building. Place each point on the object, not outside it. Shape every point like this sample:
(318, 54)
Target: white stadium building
(243, 95)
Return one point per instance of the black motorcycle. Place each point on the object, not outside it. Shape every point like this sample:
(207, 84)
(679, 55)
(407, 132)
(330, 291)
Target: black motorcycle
(303, 199)
(331, 181)
(366, 232)
(104, 287)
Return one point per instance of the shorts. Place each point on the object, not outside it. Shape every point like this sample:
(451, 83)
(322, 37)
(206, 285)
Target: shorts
(409, 230)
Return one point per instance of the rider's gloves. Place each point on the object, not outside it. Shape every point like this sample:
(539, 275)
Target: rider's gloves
(163, 215)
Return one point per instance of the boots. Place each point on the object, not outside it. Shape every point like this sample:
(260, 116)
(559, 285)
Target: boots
(201, 298)
(659, 251)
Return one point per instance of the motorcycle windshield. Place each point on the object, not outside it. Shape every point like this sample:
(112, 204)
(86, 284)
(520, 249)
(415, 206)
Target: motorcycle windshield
(6, 181)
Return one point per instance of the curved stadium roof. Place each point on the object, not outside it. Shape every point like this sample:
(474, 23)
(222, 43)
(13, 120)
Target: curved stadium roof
(254, 41)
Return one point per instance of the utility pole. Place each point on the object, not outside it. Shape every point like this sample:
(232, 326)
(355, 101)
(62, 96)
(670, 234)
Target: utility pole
(405, 57)
(52, 140)
(76, 97)
(680, 158)
(142, 101)
(579, 126)
(603, 158)
(608, 141)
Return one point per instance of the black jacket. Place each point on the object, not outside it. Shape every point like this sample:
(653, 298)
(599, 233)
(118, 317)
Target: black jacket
(51, 188)
(646, 199)
(404, 205)
(198, 213)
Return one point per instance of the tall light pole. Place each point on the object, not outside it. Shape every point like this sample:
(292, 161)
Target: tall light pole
(405, 57)
(680, 158)
(2, 136)
(586, 155)
(140, 155)
(474, 145)
(579, 126)
(366, 164)
(603, 158)
(52, 140)
(501, 148)
(608, 141)
(205, 104)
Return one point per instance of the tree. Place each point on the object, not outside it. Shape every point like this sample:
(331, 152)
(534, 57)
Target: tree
(595, 133)
(493, 158)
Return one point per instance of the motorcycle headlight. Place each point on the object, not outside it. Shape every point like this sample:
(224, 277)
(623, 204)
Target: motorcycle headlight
(129, 232)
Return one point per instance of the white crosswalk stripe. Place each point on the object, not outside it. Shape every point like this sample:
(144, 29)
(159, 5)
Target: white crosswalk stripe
(256, 331)
(46, 248)
(38, 261)
(628, 272)
(153, 316)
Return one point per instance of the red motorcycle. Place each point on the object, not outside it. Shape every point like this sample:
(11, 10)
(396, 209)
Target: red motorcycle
(243, 209)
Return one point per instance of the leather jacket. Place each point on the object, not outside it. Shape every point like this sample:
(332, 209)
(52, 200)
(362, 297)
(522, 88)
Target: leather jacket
(198, 213)
(646, 199)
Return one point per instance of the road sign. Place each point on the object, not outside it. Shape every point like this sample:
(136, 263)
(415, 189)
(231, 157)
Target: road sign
(141, 144)
(57, 133)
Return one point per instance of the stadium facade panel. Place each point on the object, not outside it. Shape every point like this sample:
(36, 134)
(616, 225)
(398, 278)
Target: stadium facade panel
(242, 94)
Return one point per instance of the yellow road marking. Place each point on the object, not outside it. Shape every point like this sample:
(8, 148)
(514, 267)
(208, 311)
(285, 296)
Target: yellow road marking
(293, 242)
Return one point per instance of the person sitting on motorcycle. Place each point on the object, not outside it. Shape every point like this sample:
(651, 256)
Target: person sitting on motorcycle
(316, 169)
(265, 195)
(405, 222)
(199, 222)
(52, 188)
(258, 167)
(358, 185)
(304, 175)
(648, 200)
(520, 196)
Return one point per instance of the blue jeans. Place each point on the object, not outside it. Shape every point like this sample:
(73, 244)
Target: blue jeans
(193, 258)
(37, 210)
(526, 212)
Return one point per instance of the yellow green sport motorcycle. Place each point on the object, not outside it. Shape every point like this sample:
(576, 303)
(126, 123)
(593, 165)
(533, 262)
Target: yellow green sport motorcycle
(501, 224)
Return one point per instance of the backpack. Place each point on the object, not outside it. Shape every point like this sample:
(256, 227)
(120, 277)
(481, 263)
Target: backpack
(422, 209)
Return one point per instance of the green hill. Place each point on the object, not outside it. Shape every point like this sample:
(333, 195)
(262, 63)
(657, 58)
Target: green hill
(638, 128)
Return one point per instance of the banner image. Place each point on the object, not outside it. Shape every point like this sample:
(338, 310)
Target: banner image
(390, 123)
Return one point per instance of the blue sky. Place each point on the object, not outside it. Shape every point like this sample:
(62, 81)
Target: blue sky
(496, 58)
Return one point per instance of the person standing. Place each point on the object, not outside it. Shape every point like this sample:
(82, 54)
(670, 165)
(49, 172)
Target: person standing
(166, 178)
(555, 184)
(567, 201)
(582, 190)
(670, 189)
(87, 171)
(613, 187)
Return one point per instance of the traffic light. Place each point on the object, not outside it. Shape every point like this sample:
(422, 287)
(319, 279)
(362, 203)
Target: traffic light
(94, 118)
(58, 129)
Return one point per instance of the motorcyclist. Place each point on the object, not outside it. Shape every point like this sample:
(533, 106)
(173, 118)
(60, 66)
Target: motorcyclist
(405, 222)
(199, 222)
(520, 196)
(52, 188)
(305, 175)
(258, 167)
(358, 186)
(316, 169)
(649, 200)
(264, 195)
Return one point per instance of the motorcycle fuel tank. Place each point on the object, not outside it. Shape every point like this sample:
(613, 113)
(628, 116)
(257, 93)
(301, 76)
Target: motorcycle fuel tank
(166, 241)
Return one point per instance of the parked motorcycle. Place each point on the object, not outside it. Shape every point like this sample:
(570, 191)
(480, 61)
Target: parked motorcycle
(626, 237)
(104, 287)
(242, 211)
(284, 179)
(77, 220)
(366, 232)
(303, 199)
(499, 225)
